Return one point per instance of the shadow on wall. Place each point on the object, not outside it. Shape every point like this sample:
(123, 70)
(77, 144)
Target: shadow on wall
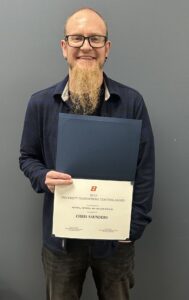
(6, 294)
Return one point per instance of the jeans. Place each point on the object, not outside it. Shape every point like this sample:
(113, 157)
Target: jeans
(65, 272)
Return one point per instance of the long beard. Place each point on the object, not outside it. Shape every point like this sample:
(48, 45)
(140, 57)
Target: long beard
(85, 89)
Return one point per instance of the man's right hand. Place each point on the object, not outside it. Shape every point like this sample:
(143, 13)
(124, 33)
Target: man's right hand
(57, 178)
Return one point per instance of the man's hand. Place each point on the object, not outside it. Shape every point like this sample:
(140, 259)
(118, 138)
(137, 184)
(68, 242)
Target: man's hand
(56, 178)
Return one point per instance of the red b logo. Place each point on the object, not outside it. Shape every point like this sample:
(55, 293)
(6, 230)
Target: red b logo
(93, 188)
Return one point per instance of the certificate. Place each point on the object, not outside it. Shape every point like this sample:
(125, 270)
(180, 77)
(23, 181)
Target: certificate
(100, 153)
(93, 209)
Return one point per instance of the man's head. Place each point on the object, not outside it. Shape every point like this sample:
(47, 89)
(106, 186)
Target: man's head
(85, 22)
(85, 48)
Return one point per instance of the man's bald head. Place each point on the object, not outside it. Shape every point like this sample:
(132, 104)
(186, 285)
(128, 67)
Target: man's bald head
(85, 9)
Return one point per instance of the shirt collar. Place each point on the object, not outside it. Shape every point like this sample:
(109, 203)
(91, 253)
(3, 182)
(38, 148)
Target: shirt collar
(65, 93)
(111, 88)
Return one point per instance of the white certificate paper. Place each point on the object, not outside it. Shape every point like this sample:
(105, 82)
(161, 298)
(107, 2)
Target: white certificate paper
(93, 209)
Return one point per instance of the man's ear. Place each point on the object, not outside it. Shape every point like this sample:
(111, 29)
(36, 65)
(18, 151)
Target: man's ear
(64, 48)
(107, 47)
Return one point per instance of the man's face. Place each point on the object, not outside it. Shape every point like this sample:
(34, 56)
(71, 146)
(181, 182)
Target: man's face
(85, 23)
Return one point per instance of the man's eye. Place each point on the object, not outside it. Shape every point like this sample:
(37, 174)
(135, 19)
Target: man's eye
(95, 39)
(76, 38)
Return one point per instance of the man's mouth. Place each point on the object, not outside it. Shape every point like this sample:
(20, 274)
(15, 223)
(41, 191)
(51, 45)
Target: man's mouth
(86, 57)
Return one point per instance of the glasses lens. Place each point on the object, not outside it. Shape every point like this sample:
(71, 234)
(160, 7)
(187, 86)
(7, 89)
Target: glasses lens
(75, 40)
(97, 41)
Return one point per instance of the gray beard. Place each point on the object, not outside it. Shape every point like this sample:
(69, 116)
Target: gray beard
(85, 85)
(83, 104)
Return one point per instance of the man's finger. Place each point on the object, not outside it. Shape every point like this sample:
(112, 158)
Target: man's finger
(53, 182)
(57, 175)
(51, 188)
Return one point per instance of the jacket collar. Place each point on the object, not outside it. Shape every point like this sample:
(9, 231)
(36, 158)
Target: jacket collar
(112, 86)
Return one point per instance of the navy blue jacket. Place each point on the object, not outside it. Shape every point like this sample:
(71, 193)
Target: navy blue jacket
(38, 151)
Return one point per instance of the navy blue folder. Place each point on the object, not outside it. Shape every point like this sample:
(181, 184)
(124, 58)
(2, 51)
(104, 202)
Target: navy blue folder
(92, 147)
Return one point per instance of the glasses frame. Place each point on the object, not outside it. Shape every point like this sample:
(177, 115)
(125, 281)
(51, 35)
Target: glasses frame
(86, 38)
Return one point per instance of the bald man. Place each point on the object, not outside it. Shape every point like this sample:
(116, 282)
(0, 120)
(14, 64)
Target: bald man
(86, 90)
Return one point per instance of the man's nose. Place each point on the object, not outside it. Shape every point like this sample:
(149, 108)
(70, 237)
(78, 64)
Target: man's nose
(86, 45)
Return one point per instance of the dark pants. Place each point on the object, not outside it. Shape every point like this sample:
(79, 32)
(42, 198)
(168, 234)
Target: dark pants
(65, 272)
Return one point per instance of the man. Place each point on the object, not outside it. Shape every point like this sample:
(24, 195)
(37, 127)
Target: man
(86, 90)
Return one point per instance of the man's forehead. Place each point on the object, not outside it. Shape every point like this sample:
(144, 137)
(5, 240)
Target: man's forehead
(85, 17)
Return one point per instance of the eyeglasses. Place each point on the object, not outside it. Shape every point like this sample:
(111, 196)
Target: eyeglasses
(77, 41)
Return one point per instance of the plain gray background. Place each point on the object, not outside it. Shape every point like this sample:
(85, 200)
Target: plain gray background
(150, 42)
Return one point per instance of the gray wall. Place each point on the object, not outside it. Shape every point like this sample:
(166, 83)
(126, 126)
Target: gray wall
(150, 43)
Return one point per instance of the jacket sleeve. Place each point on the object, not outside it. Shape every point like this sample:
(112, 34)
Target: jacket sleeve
(31, 158)
(144, 180)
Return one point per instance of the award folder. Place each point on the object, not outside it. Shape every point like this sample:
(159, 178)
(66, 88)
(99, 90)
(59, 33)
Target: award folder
(100, 153)
(92, 147)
